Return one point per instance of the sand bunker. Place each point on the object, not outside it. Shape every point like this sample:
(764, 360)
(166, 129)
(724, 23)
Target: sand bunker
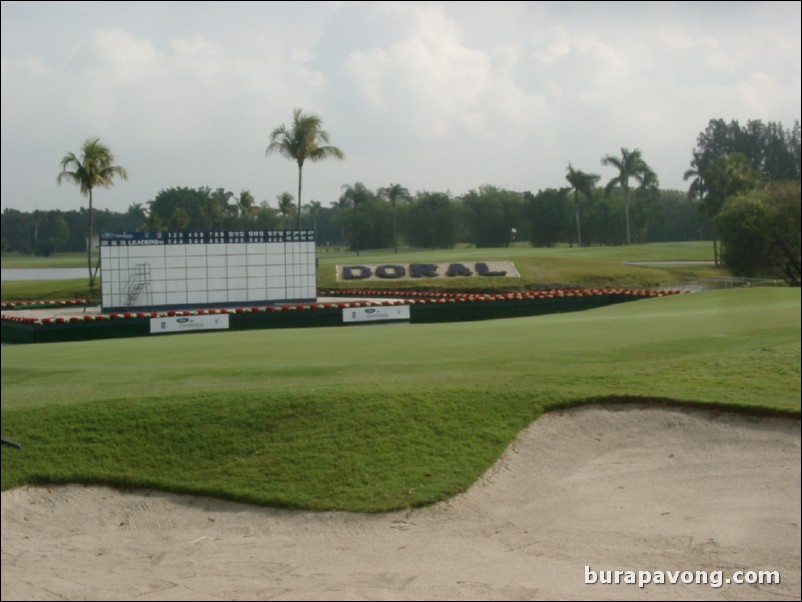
(610, 488)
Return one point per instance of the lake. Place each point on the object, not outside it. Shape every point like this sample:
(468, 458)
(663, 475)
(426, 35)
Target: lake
(43, 273)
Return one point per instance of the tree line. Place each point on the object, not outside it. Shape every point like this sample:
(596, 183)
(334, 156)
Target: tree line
(384, 218)
(743, 187)
(747, 180)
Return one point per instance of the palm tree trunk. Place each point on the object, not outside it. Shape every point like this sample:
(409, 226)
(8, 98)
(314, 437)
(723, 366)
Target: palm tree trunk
(578, 227)
(626, 212)
(300, 171)
(357, 229)
(395, 238)
(89, 244)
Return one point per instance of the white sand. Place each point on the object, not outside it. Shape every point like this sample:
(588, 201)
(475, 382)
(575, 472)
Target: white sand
(613, 488)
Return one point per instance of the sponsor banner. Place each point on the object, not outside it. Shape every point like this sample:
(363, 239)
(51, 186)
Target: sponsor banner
(188, 323)
(375, 314)
(412, 271)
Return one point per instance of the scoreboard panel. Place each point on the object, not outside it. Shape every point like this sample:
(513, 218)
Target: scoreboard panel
(159, 270)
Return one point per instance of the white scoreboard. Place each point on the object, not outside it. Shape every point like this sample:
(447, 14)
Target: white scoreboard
(161, 270)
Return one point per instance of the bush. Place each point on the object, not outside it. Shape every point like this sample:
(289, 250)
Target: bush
(760, 232)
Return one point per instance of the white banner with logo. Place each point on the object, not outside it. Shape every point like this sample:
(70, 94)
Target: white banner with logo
(188, 323)
(375, 314)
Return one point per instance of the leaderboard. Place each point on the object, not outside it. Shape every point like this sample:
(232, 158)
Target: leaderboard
(220, 268)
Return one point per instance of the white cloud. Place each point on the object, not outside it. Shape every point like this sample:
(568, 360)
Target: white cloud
(438, 85)
(119, 56)
(431, 95)
(429, 73)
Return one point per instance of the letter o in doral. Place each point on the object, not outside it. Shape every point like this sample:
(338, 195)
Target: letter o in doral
(391, 271)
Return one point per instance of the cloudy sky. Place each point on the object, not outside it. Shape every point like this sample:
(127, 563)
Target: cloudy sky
(435, 96)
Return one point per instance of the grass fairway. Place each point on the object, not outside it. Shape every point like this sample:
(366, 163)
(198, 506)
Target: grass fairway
(373, 418)
(559, 266)
(538, 267)
(26, 290)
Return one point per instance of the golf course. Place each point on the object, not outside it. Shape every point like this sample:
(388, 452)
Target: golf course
(381, 418)
(496, 459)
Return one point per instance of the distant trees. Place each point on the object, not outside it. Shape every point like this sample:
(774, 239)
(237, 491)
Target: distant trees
(629, 165)
(727, 176)
(491, 215)
(314, 209)
(760, 232)
(733, 164)
(395, 193)
(204, 209)
(362, 218)
(93, 168)
(194, 206)
(772, 151)
(431, 221)
(548, 215)
(730, 161)
(54, 231)
(367, 218)
(51, 231)
(305, 139)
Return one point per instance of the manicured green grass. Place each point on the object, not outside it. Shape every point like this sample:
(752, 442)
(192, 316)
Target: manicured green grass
(671, 251)
(375, 417)
(27, 290)
(560, 266)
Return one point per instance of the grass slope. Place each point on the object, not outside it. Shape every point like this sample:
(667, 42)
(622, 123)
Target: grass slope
(375, 417)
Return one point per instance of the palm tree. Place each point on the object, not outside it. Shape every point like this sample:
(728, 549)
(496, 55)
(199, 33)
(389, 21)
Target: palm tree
(246, 204)
(629, 165)
(724, 177)
(211, 213)
(222, 197)
(285, 207)
(697, 187)
(584, 183)
(94, 168)
(394, 193)
(647, 195)
(305, 139)
(136, 216)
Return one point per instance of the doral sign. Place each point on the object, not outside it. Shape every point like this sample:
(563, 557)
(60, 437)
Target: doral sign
(412, 271)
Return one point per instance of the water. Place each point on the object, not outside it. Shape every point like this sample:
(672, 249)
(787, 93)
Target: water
(43, 274)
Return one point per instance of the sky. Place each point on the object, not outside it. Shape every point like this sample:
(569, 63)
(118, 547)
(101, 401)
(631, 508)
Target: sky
(435, 96)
